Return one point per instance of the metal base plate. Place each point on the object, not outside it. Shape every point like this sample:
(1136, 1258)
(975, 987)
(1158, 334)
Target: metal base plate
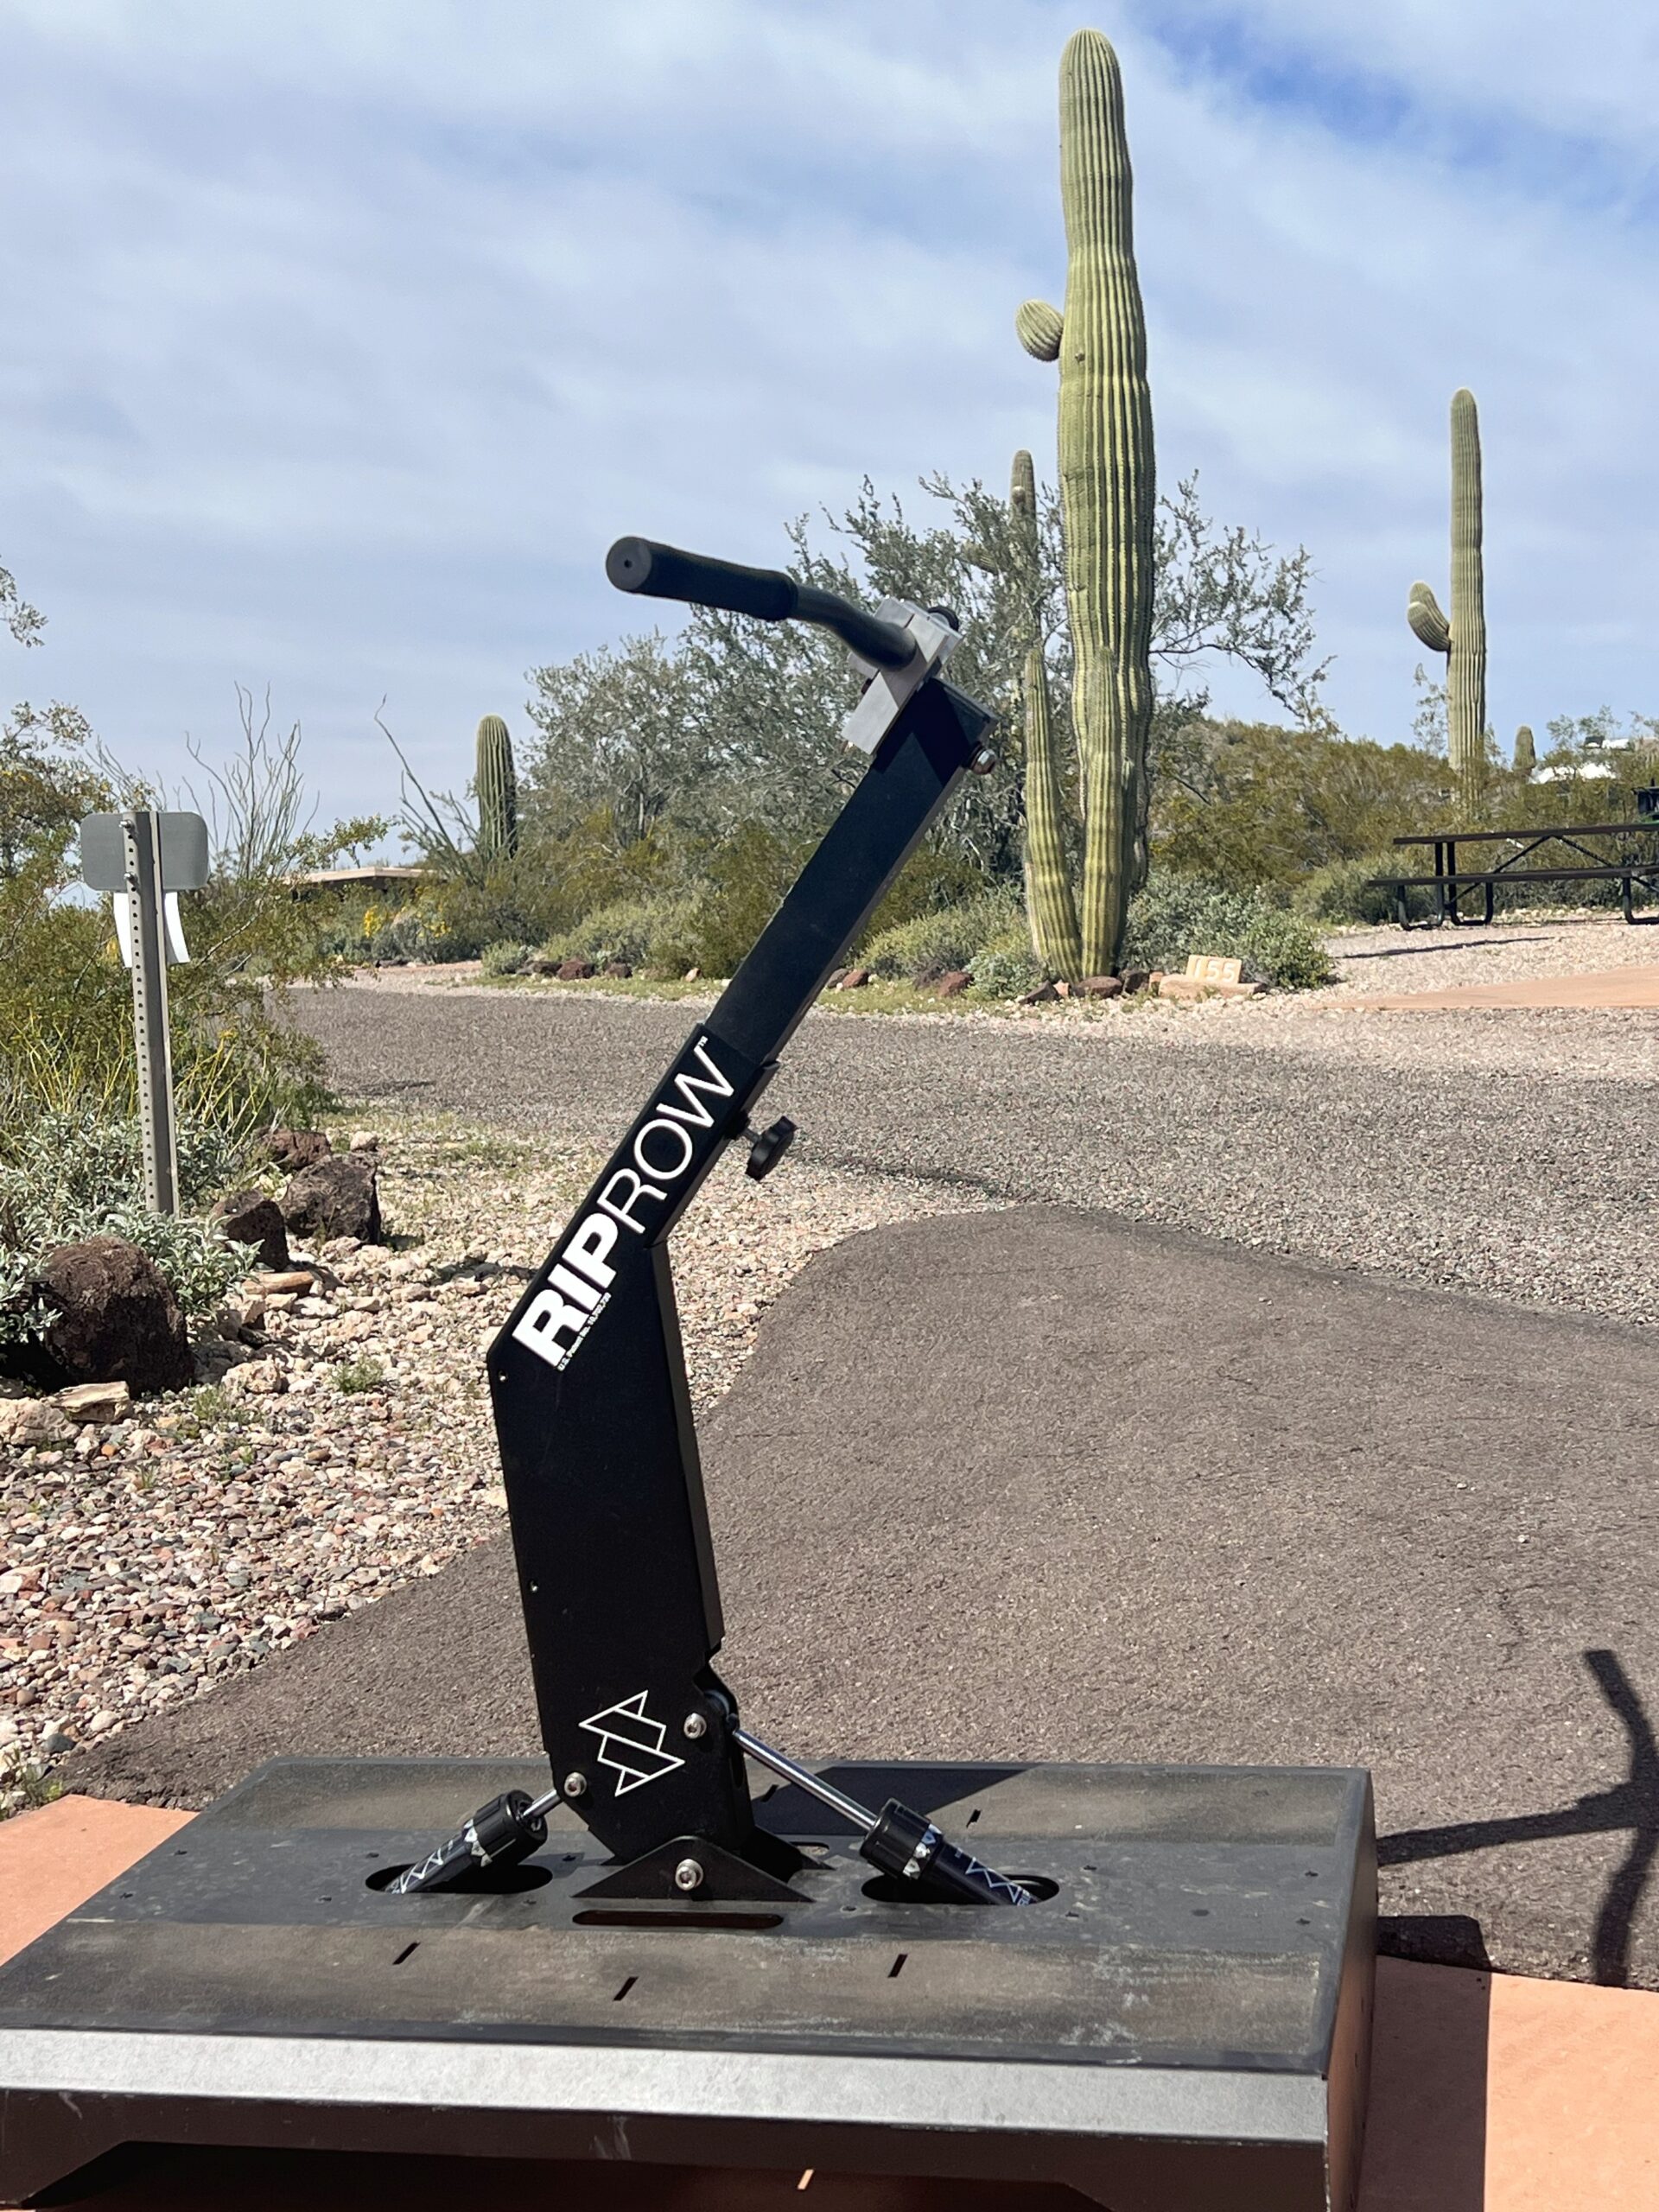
(1183, 2023)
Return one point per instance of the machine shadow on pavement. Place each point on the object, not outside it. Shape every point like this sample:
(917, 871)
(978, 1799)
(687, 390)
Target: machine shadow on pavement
(1632, 1804)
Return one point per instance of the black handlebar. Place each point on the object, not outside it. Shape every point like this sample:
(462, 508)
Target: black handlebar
(664, 572)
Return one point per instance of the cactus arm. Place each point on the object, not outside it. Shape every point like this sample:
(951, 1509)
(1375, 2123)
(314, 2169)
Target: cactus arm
(1431, 627)
(1040, 328)
(1465, 682)
(1050, 907)
(1049, 903)
(498, 790)
(1525, 751)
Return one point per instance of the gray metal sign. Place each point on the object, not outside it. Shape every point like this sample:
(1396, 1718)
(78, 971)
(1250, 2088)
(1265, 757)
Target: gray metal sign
(181, 840)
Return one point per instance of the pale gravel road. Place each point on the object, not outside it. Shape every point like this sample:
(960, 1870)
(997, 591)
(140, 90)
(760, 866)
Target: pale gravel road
(1512, 1153)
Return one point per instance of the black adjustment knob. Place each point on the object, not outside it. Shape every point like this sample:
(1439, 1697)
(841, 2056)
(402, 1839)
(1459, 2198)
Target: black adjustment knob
(769, 1148)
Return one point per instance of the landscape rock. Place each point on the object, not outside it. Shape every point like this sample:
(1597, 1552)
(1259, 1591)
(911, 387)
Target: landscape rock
(953, 985)
(854, 980)
(256, 1378)
(336, 1197)
(292, 1149)
(1101, 986)
(294, 1281)
(97, 1403)
(252, 1218)
(692, 975)
(364, 1141)
(32, 1420)
(114, 1318)
(618, 968)
(574, 971)
(1044, 994)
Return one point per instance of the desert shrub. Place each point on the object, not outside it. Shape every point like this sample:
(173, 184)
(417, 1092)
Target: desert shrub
(933, 943)
(652, 932)
(1178, 915)
(743, 880)
(505, 958)
(69, 1175)
(1007, 965)
(1343, 891)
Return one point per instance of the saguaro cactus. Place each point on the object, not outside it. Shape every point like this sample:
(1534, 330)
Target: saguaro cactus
(1462, 639)
(1049, 903)
(1106, 487)
(498, 790)
(1526, 753)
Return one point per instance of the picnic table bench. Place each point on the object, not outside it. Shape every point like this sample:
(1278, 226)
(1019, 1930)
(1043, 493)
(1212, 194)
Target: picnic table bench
(1629, 855)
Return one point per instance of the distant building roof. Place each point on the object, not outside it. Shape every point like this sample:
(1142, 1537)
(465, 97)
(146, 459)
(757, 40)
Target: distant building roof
(381, 871)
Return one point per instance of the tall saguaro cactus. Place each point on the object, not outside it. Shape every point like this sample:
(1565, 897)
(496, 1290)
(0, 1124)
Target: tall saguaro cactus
(498, 790)
(1525, 751)
(1462, 639)
(1049, 902)
(1108, 491)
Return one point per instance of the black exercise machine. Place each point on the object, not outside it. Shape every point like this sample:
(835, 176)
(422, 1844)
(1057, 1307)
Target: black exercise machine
(626, 1954)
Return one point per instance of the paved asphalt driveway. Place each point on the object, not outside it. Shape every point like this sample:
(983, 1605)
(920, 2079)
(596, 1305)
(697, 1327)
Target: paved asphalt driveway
(1040, 1484)
(1459, 1165)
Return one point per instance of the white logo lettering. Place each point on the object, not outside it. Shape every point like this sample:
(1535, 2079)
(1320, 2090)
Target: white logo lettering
(578, 1286)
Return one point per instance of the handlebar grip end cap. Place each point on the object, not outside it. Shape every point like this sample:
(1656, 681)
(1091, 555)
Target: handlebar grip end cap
(628, 563)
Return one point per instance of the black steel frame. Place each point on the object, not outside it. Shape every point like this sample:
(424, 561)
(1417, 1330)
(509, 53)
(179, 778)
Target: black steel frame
(604, 1489)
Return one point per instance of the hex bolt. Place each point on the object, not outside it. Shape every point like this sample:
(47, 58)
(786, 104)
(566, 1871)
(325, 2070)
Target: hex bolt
(576, 1785)
(983, 761)
(687, 1875)
(696, 1725)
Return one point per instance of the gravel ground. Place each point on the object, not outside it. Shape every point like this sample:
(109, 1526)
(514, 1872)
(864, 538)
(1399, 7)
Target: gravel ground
(1446, 959)
(152, 1560)
(1512, 1153)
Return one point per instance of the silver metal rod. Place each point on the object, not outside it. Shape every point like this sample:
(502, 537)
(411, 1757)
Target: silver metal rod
(148, 940)
(545, 1803)
(826, 1794)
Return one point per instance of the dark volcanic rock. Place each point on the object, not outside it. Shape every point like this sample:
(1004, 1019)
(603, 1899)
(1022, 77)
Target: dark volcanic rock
(292, 1149)
(336, 1197)
(116, 1317)
(251, 1217)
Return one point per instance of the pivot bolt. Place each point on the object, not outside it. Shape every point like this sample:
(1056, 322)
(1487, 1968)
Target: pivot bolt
(687, 1875)
(576, 1785)
(696, 1725)
(982, 762)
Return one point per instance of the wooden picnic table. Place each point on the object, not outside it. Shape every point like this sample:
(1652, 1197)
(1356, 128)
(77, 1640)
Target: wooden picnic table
(1452, 883)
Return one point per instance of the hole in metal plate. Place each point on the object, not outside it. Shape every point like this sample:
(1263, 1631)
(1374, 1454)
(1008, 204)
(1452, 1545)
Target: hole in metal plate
(897, 1966)
(625, 1988)
(894, 1889)
(408, 1951)
(482, 1881)
(679, 1923)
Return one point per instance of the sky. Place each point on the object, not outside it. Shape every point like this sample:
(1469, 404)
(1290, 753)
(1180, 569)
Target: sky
(340, 341)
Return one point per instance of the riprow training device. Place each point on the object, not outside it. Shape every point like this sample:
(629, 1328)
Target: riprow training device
(668, 1942)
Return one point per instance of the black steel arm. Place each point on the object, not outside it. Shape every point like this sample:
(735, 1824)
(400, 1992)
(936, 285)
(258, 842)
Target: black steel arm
(604, 1489)
(638, 564)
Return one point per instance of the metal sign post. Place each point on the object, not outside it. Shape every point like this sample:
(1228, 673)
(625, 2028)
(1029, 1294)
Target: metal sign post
(146, 858)
(150, 1027)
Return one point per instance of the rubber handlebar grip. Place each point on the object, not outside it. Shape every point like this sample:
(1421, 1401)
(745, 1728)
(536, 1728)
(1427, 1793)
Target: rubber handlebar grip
(655, 571)
(639, 564)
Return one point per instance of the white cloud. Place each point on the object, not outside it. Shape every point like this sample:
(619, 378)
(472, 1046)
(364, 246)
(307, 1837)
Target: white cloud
(353, 335)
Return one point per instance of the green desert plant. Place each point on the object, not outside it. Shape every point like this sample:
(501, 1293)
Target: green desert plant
(933, 945)
(1176, 916)
(1525, 751)
(498, 791)
(1049, 900)
(504, 957)
(1108, 491)
(1007, 966)
(1462, 638)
